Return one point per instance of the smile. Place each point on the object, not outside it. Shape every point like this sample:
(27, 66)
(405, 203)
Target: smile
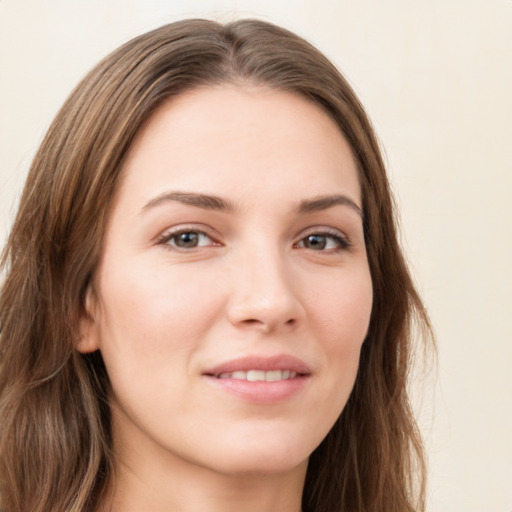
(259, 375)
(261, 380)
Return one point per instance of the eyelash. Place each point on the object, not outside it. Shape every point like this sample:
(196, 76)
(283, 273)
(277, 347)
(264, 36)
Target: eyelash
(342, 243)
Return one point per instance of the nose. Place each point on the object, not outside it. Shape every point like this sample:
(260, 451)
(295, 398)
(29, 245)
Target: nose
(264, 295)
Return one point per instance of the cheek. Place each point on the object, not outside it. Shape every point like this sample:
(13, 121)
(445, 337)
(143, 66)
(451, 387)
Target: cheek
(151, 325)
(154, 320)
(154, 304)
(343, 310)
(342, 315)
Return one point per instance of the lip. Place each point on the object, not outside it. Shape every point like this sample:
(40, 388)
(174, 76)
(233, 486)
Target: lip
(260, 392)
(280, 362)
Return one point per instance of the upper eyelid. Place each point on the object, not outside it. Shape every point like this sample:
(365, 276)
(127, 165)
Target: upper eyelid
(323, 230)
(184, 227)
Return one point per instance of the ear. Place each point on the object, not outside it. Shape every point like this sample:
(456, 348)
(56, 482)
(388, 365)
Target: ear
(89, 340)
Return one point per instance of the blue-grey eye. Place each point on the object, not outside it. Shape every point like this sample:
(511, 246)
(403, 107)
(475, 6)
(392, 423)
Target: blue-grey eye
(322, 242)
(189, 239)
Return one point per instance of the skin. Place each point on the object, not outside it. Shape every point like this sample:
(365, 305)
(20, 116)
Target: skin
(254, 284)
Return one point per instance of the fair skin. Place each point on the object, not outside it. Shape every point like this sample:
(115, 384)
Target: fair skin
(234, 251)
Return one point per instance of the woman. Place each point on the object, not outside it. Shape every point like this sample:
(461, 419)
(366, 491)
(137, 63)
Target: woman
(205, 304)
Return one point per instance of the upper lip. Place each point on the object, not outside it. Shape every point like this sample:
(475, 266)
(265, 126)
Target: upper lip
(280, 362)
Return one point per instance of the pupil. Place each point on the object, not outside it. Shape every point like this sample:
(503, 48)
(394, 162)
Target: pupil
(316, 241)
(187, 240)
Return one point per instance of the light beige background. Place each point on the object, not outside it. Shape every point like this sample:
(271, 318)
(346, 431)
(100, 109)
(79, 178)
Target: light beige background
(436, 78)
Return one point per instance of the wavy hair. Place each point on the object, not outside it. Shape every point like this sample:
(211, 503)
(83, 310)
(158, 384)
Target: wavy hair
(55, 435)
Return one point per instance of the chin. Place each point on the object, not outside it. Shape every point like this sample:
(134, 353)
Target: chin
(263, 456)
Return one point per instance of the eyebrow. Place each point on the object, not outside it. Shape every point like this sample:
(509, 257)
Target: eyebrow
(323, 202)
(205, 201)
(211, 202)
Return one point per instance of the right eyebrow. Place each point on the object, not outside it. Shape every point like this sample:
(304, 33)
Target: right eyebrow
(205, 201)
(324, 202)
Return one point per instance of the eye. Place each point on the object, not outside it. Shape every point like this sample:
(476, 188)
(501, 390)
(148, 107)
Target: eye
(187, 239)
(323, 242)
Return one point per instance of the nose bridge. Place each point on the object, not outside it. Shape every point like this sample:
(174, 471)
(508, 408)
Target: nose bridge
(263, 290)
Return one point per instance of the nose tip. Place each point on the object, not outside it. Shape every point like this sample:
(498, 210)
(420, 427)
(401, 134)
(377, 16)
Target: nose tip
(264, 303)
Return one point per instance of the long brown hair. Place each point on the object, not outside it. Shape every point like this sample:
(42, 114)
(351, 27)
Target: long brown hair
(55, 438)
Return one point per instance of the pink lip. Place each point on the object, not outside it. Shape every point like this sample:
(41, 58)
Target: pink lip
(280, 362)
(260, 392)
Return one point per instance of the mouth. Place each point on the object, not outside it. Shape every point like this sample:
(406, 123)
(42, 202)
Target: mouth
(259, 375)
(257, 368)
(262, 380)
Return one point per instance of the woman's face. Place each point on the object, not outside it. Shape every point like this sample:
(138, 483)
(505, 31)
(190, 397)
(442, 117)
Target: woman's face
(233, 292)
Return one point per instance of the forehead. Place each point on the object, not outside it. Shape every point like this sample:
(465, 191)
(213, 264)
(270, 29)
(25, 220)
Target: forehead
(232, 138)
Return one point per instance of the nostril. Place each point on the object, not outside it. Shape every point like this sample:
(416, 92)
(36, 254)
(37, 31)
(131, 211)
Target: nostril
(251, 321)
(266, 325)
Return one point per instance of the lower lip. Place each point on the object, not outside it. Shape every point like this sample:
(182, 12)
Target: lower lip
(261, 392)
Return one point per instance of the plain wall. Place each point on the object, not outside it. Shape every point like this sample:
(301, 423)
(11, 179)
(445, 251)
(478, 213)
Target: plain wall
(436, 78)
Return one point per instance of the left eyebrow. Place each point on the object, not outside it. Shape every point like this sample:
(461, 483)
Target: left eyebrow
(323, 202)
(205, 201)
